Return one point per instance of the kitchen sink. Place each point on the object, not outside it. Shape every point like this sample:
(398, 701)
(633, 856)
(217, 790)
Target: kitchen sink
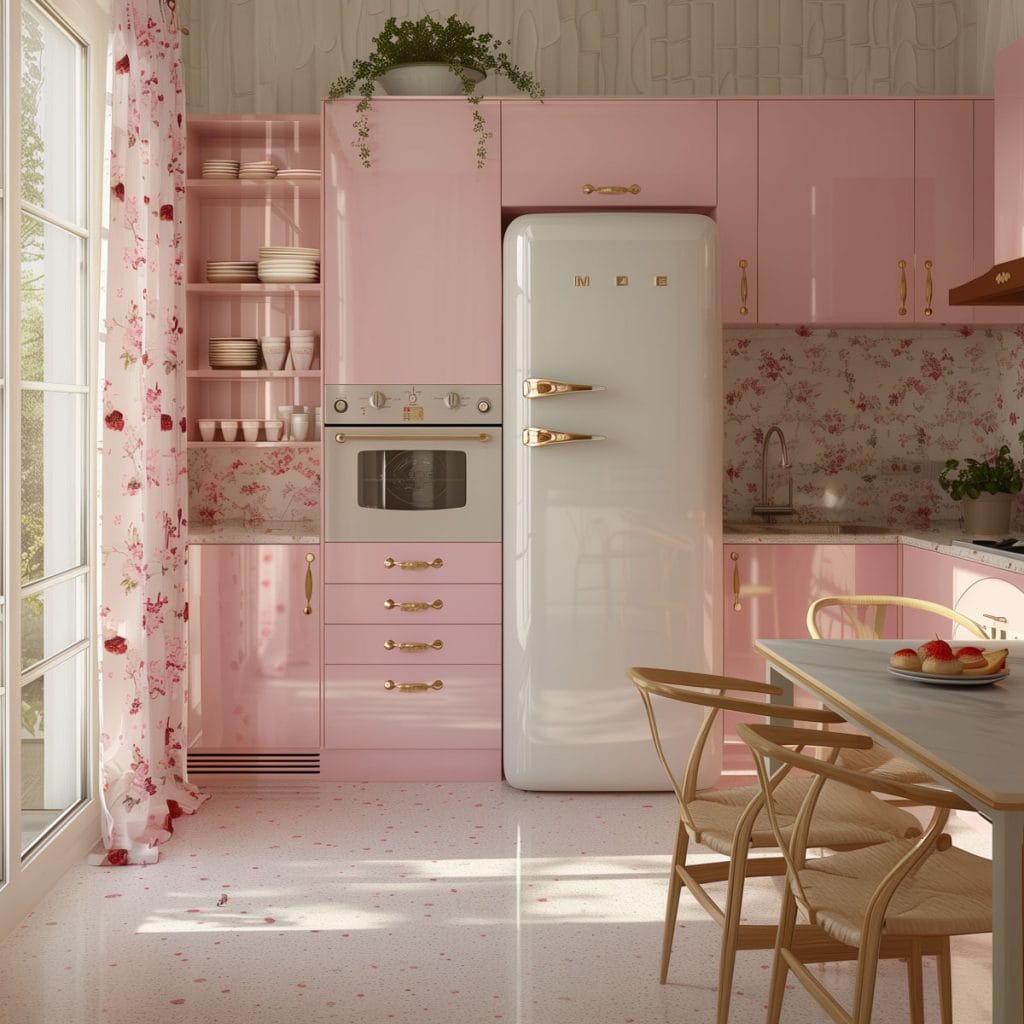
(804, 529)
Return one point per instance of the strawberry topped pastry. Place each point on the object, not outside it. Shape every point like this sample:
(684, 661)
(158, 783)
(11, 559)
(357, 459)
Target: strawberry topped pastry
(938, 658)
(906, 658)
(941, 661)
(970, 657)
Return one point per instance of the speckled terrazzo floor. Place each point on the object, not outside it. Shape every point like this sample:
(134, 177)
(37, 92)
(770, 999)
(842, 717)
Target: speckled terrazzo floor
(430, 903)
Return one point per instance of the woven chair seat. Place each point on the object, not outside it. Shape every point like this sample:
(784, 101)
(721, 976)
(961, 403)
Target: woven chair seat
(951, 892)
(844, 817)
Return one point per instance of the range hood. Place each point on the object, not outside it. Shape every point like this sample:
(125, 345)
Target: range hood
(1003, 285)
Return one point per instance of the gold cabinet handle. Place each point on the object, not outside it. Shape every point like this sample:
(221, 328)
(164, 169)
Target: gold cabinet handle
(540, 437)
(611, 190)
(928, 287)
(390, 684)
(743, 288)
(902, 311)
(410, 645)
(308, 608)
(538, 387)
(391, 563)
(736, 604)
(413, 606)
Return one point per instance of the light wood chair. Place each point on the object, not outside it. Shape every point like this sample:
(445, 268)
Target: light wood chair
(903, 898)
(867, 615)
(732, 822)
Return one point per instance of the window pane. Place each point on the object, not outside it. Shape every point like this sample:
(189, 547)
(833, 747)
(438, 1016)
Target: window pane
(52, 775)
(51, 621)
(52, 305)
(53, 483)
(51, 122)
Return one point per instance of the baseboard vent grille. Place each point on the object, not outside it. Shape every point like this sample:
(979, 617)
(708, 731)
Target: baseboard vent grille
(242, 762)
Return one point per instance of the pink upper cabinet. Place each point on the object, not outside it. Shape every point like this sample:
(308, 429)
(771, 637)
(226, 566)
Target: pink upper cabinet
(411, 265)
(836, 211)
(737, 210)
(595, 154)
(1009, 153)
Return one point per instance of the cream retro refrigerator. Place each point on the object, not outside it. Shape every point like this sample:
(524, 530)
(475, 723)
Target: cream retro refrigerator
(612, 488)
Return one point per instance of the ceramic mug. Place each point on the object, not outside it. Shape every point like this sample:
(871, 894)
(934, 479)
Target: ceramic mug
(299, 426)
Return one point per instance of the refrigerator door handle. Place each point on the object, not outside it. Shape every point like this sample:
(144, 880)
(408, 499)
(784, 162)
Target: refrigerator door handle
(540, 437)
(540, 387)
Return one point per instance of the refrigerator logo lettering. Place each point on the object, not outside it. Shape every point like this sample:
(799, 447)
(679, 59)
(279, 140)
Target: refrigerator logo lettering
(621, 280)
(581, 281)
(661, 282)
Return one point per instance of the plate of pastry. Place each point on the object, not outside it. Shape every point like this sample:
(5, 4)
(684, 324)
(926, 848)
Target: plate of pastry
(937, 662)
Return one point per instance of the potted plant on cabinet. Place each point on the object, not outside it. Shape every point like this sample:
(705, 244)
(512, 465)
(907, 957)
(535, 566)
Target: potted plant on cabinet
(429, 57)
(985, 488)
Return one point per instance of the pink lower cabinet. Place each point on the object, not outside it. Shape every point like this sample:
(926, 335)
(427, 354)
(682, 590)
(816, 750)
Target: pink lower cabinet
(254, 658)
(412, 648)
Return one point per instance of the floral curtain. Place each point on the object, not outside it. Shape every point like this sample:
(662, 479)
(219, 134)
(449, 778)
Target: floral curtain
(144, 606)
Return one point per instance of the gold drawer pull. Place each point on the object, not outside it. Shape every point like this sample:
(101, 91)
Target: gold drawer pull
(902, 311)
(414, 606)
(928, 287)
(611, 190)
(410, 645)
(391, 563)
(390, 684)
(743, 288)
(540, 437)
(308, 607)
(736, 605)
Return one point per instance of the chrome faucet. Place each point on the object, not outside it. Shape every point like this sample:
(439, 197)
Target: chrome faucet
(766, 508)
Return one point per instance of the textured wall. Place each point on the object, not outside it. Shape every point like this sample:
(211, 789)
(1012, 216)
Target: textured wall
(270, 56)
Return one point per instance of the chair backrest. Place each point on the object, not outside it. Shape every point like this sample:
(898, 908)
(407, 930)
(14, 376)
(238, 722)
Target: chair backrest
(866, 614)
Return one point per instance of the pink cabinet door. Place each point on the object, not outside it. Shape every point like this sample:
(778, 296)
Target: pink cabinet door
(986, 252)
(254, 654)
(836, 211)
(596, 154)
(445, 707)
(411, 263)
(412, 562)
(736, 215)
(943, 207)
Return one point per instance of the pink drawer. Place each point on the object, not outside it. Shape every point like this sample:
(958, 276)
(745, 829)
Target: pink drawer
(367, 645)
(412, 562)
(404, 602)
(374, 706)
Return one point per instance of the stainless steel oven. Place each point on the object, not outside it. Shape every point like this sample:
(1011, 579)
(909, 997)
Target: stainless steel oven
(412, 463)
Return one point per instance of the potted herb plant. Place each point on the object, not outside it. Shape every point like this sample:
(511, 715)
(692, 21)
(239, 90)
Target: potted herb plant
(465, 56)
(985, 488)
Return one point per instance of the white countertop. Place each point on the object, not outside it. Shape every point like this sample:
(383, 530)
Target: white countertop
(237, 531)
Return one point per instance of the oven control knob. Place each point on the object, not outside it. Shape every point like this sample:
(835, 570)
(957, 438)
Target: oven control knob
(452, 400)
(341, 405)
(378, 399)
(484, 405)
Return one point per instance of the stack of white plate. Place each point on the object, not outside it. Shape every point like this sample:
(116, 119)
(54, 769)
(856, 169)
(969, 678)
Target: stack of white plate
(234, 353)
(220, 168)
(231, 271)
(258, 169)
(298, 173)
(284, 264)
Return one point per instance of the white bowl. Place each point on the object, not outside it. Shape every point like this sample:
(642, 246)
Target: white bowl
(229, 429)
(272, 429)
(207, 429)
(273, 339)
(302, 360)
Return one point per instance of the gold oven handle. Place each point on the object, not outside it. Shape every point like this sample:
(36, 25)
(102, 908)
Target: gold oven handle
(411, 645)
(391, 563)
(611, 190)
(482, 438)
(414, 606)
(539, 387)
(540, 437)
(308, 607)
(390, 684)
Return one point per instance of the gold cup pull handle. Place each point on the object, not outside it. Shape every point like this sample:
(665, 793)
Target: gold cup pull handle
(410, 645)
(611, 190)
(308, 607)
(390, 684)
(902, 311)
(414, 606)
(393, 563)
(540, 437)
(736, 604)
(743, 288)
(928, 287)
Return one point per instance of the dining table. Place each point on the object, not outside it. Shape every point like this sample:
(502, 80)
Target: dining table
(969, 735)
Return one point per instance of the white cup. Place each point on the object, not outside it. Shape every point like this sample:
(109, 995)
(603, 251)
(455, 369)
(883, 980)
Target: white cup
(274, 350)
(251, 429)
(284, 414)
(229, 429)
(207, 429)
(272, 429)
(302, 360)
(299, 426)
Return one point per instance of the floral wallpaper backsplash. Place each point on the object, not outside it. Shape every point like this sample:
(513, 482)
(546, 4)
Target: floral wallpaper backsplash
(255, 488)
(869, 415)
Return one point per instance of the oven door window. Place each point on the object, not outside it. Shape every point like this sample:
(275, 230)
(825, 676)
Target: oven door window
(412, 480)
